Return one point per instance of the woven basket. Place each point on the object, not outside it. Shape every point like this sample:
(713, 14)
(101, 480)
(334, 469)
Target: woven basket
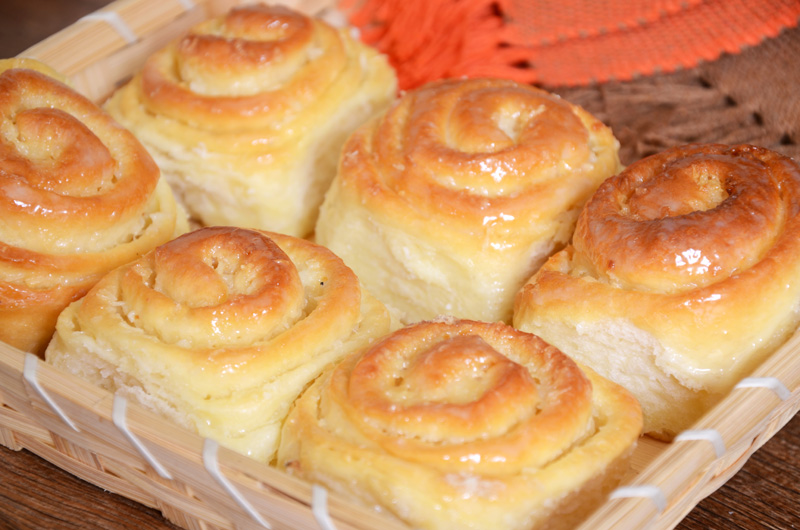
(196, 484)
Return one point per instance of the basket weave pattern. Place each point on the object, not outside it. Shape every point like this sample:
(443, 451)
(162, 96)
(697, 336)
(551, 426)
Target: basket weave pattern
(721, 101)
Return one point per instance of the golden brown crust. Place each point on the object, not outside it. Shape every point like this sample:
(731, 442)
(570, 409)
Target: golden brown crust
(246, 113)
(227, 69)
(219, 329)
(460, 424)
(412, 400)
(697, 248)
(482, 175)
(79, 195)
(688, 217)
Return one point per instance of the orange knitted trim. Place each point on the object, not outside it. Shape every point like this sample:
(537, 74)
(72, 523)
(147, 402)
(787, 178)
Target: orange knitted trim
(561, 42)
(428, 40)
(542, 23)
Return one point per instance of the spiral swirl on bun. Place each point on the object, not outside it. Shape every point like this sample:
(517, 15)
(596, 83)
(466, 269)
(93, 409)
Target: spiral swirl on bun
(79, 196)
(448, 202)
(219, 330)
(461, 424)
(681, 277)
(247, 112)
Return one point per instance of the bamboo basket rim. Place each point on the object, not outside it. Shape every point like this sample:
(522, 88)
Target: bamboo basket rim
(130, 451)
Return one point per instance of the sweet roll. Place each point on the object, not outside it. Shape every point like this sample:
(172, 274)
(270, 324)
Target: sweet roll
(450, 200)
(464, 424)
(79, 196)
(219, 330)
(246, 114)
(682, 276)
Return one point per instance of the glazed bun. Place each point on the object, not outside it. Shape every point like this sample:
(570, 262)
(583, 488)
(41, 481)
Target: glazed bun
(219, 330)
(683, 275)
(449, 201)
(247, 113)
(79, 196)
(464, 424)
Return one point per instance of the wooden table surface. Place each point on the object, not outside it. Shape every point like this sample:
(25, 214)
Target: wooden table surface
(34, 494)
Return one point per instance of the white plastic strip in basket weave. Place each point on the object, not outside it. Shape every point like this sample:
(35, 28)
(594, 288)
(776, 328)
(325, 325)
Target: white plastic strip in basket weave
(210, 450)
(119, 417)
(709, 435)
(653, 493)
(319, 507)
(29, 373)
(115, 21)
(771, 383)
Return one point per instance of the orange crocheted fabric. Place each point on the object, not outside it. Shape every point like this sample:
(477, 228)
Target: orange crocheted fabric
(561, 42)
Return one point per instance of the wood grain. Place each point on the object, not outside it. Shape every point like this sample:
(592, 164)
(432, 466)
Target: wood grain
(37, 495)
(23, 23)
(34, 494)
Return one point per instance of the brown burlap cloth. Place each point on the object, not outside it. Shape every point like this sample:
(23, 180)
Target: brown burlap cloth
(660, 72)
(749, 97)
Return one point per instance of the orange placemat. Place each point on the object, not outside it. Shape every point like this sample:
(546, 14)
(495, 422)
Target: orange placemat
(562, 42)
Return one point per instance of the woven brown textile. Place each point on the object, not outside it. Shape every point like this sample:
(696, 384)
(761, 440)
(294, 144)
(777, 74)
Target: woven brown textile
(765, 80)
(750, 97)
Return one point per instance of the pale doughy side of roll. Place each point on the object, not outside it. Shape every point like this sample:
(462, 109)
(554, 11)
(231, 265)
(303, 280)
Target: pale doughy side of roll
(79, 196)
(459, 424)
(219, 330)
(418, 275)
(625, 353)
(247, 121)
(718, 293)
(449, 201)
